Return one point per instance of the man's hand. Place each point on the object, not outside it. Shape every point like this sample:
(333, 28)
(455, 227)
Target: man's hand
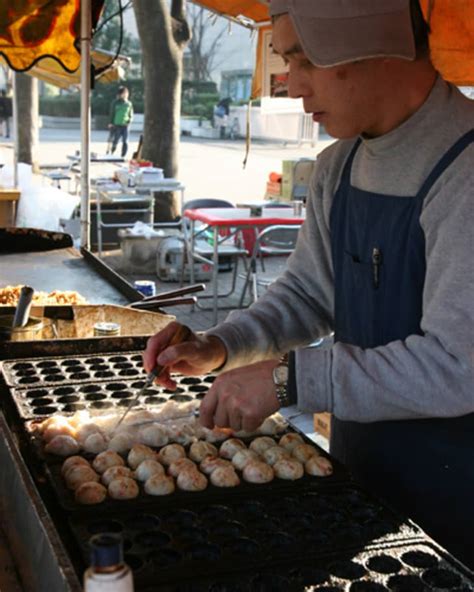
(199, 355)
(241, 399)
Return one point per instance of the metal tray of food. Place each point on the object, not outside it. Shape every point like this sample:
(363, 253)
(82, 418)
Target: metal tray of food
(327, 539)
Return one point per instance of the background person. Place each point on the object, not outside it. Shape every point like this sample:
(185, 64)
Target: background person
(6, 112)
(121, 116)
(383, 260)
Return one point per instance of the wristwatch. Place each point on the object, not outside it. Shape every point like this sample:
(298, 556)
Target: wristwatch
(280, 379)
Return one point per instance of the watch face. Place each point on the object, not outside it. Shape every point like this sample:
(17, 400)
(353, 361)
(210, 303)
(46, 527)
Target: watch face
(280, 374)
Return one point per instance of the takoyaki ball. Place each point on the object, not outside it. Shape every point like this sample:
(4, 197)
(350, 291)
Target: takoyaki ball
(73, 461)
(95, 443)
(86, 430)
(191, 480)
(273, 425)
(318, 466)
(304, 452)
(153, 435)
(113, 473)
(159, 485)
(123, 488)
(211, 463)
(57, 426)
(79, 474)
(62, 446)
(230, 447)
(139, 453)
(259, 445)
(274, 454)
(199, 450)
(289, 469)
(225, 477)
(241, 459)
(171, 453)
(90, 493)
(179, 465)
(290, 441)
(107, 459)
(216, 434)
(258, 472)
(121, 442)
(147, 468)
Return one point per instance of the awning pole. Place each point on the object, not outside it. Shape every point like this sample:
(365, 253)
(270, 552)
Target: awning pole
(86, 32)
(15, 134)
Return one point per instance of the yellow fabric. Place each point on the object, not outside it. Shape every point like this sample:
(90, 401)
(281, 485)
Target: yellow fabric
(31, 29)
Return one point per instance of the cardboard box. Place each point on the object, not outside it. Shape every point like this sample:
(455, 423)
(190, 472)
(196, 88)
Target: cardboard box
(8, 199)
(322, 424)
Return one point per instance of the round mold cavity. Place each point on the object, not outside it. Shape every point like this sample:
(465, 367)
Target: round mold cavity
(302, 521)
(99, 367)
(103, 374)
(116, 386)
(76, 368)
(313, 537)
(347, 535)
(99, 405)
(42, 402)
(128, 372)
(229, 529)
(347, 570)
(198, 388)
(181, 398)
(367, 587)
(22, 366)
(442, 578)
(72, 407)
(121, 395)
(123, 365)
(80, 376)
(280, 542)
(48, 410)
(406, 583)
(176, 391)
(100, 526)
(216, 513)
(136, 358)
(50, 370)
(150, 392)
(209, 379)
(310, 576)
(94, 361)
(273, 582)
(190, 380)
(330, 589)
(384, 564)
(30, 372)
(143, 522)
(265, 523)
(70, 363)
(123, 402)
(54, 378)
(243, 547)
(203, 552)
(164, 558)
(253, 508)
(155, 400)
(115, 359)
(138, 384)
(29, 380)
(200, 396)
(90, 388)
(95, 397)
(63, 390)
(152, 538)
(181, 519)
(46, 364)
(192, 536)
(420, 559)
(134, 562)
(35, 393)
(68, 399)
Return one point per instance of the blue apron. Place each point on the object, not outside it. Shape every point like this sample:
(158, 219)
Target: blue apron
(424, 468)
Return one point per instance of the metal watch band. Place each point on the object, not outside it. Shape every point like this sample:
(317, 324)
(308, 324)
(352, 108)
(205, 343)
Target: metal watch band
(282, 395)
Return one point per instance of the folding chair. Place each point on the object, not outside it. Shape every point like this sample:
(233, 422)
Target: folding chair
(279, 239)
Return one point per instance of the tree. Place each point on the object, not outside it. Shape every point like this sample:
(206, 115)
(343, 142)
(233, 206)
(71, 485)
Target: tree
(202, 52)
(26, 103)
(164, 33)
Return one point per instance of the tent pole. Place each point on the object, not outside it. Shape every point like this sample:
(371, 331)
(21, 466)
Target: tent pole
(15, 134)
(86, 32)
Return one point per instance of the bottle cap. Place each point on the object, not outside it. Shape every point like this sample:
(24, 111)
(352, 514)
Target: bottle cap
(106, 550)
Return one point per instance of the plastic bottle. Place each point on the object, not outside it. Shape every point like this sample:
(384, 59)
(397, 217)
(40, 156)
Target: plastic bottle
(108, 572)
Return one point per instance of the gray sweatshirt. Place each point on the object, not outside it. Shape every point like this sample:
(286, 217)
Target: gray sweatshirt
(431, 375)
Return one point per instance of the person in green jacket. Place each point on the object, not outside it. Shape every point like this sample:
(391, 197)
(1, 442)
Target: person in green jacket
(121, 115)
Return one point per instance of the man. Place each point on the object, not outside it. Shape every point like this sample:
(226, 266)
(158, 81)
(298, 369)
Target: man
(6, 112)
(384, 260)
(121, 115)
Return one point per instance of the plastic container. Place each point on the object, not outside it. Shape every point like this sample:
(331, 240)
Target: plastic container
(145, 287)
(108, 571)
(106, 329)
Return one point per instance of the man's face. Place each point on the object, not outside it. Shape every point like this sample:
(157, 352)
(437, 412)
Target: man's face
(345, 99)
